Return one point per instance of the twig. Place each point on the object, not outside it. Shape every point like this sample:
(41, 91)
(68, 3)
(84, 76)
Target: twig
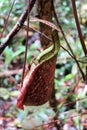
(28, 18)
(17, 27)
(27, 28)
(74, 57)
(5, 25)
(7, 73)
(78, 27)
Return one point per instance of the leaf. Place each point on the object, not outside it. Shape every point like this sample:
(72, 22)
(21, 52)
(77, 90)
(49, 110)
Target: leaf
(4, 93)
(14, 93)
(8, 56)
(83, 59)
(31, 124)
(20, 50)
(74, 69)
(43, 116)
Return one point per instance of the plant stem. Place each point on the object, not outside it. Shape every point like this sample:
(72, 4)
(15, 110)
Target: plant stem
(74, 57)
(78, 27)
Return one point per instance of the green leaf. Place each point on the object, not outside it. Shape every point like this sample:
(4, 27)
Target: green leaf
(4, 93)
(14, 93)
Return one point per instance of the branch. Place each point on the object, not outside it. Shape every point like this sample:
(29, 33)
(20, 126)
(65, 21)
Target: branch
(17, 27)
(78, 27)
